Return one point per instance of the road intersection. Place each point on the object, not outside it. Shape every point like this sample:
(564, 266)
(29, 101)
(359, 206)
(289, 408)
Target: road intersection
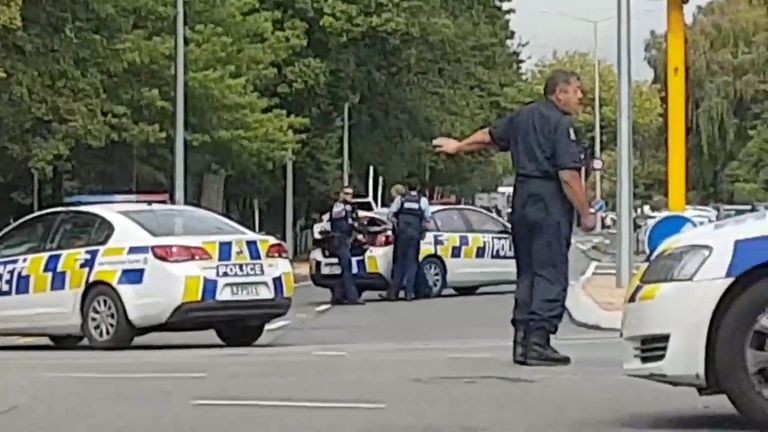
(435, 365)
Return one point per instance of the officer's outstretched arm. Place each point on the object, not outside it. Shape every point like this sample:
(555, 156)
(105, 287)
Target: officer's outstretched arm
(478, 141)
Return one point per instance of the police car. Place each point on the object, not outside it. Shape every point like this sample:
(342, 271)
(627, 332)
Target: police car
(696, 315)
(112, 271)
(465, 249)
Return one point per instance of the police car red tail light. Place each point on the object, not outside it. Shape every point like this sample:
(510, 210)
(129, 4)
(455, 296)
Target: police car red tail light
(277, 250)
(177, 254)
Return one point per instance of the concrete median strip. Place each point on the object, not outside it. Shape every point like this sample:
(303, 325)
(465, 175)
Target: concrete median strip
(289, 404)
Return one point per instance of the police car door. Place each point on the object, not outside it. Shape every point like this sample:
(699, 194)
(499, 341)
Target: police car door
(498, 261)
(458, 248)
(24, 283)
(76, 244)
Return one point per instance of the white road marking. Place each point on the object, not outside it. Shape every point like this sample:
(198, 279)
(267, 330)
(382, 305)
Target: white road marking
(276, 325)
(129, 375)
(323, 308)
(294, 404)
(301, 315)
(329, 353)
(25, 340)
(468, 356)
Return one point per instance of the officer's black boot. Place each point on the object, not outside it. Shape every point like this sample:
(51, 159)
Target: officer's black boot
(520, 352)
(541, 353)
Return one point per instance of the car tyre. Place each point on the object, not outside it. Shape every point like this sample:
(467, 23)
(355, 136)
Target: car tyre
(66, 341)
(731, 346)
(434, 271)
(239, 335)
(105, 322)
(466, 291)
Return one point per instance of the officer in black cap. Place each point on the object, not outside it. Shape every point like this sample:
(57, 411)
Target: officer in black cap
(548, 186)
(343, 228)
(409, 213)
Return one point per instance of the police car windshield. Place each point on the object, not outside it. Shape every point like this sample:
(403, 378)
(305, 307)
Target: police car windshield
(180, 222)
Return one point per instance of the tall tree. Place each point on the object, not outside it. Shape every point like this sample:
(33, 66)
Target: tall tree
(728, 80)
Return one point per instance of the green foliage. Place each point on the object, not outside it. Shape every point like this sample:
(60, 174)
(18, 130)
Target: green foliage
(727, 90)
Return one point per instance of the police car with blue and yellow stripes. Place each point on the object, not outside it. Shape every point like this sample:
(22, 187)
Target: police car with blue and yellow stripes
(696, 314)
(110, 268)
(465, 248)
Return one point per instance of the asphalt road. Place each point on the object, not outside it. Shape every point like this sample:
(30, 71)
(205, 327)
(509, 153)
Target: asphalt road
(439, 365)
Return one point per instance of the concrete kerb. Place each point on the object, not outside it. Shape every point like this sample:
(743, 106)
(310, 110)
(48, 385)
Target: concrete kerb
(584, 311)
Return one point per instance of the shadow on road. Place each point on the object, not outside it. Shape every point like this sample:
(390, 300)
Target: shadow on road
(684, 422)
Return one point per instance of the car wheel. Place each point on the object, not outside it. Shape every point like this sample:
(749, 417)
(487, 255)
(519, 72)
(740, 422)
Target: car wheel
(466, 291)
(105, 322)
(434, 271)
(239, 335)
(66, 341)
(741, 354)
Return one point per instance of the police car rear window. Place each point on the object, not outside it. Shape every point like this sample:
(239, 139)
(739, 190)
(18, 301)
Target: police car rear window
(180, 222)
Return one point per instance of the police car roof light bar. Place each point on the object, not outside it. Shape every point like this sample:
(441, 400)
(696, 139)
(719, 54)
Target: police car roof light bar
(118, 198)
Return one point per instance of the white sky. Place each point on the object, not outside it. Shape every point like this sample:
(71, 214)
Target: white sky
(540, 24)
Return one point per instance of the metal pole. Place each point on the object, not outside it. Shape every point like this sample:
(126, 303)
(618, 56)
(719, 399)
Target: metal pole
(598, 174)
(624, 129)
(380, 194)
(35, 191)
(345, 157)
(676, 121)
(289, 204)
(178, 156)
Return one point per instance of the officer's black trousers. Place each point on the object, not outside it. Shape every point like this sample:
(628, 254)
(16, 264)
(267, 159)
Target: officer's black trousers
(541, 252)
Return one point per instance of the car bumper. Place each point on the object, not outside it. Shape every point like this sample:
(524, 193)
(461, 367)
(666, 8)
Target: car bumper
(365, 281)
(206, 315)
(665, 327)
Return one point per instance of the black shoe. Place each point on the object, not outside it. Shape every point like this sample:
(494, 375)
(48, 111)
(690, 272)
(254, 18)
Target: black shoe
(520, 353)
(541, 353)
(357, 302)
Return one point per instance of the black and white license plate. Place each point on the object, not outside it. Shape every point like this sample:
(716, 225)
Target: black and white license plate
(239, 270)
(245, 292)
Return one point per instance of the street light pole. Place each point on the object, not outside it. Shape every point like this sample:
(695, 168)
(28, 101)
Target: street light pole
(624, 133)
(345, 149)
(598, 174)
(178, 153)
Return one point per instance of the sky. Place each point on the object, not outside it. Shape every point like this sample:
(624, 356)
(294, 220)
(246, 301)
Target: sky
(541, 24)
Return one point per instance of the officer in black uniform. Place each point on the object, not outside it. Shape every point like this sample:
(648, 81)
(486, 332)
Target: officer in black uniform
(343, 228)
(409, 213)
(548, 186)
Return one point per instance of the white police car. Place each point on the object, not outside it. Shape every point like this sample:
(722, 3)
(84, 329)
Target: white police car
(112, 271)
(467, 248)
(697, 313)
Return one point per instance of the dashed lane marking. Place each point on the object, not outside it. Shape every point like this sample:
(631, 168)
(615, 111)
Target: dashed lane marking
(330, 353)
(290, 404)
(128, 375)
(323, 308)
(276, 325)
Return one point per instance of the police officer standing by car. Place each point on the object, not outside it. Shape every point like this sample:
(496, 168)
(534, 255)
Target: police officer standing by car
(408, 213)
(541, 139)
(343, 229)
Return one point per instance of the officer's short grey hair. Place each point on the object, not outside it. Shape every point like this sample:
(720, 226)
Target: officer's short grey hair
(557, 78)
(397, 189)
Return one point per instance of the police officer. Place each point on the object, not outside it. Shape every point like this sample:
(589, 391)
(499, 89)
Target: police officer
(343, 228)
(409, 213)
(548, 186)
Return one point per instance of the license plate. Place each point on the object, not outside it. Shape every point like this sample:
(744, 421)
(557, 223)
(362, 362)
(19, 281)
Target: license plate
(330, 269)
(239, 270)
(245, 292)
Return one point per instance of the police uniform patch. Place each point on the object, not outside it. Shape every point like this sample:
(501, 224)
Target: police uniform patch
(572, 134)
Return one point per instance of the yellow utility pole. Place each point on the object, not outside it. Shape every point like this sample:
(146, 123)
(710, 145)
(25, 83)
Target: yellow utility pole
(676, 102)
